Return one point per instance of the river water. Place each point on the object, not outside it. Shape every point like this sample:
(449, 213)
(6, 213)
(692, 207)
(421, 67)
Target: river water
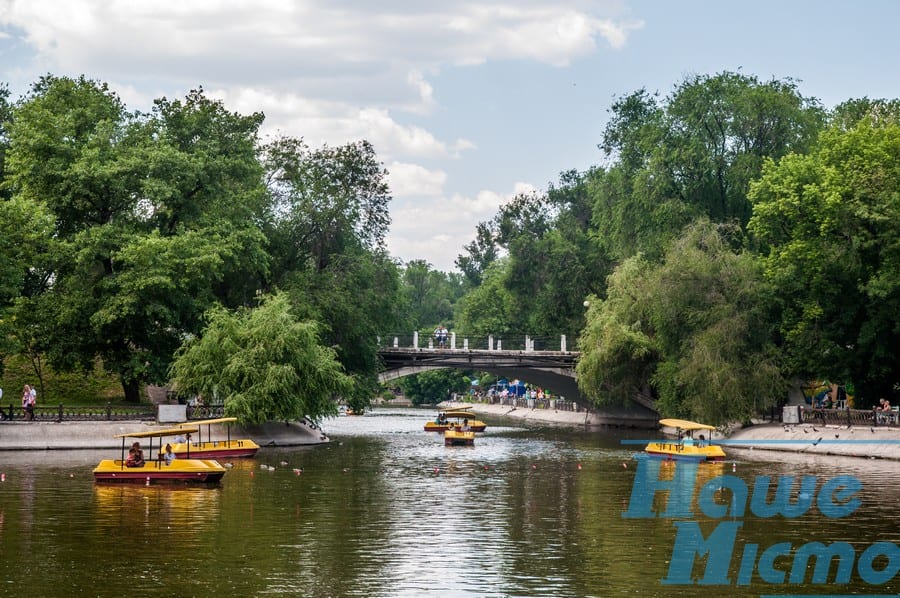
(386, 509)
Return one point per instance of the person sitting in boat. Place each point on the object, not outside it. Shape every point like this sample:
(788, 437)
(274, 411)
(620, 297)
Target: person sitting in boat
(465, 426)
(169, 455)
(135, 456)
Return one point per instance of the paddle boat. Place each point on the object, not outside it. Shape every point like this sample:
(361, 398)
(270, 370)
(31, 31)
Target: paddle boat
(454, 418)
(164, 469)
(459, 436)
(185, 448)
(686, 447)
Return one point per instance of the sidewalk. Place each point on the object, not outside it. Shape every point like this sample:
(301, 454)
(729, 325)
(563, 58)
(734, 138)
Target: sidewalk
(17, 436)
(856, 441)
(553, 416)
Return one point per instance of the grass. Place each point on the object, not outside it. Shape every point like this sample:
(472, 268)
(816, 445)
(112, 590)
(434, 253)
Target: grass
(90, 388)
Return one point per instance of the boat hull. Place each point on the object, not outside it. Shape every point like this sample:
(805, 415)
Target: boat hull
(180, 471)
(674, 451)
(459, 438)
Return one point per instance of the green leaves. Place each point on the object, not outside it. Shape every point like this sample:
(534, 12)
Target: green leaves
(692, 332)
(828, 222)
(151, 215)
(263, 364)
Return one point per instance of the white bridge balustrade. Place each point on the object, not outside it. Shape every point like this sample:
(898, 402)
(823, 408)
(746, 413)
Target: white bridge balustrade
(492, 342)
(542, 361)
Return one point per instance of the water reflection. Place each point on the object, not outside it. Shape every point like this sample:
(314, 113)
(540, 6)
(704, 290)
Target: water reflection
(387, 510)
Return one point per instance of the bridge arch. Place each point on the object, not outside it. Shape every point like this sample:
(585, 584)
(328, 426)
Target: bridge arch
(553, 370)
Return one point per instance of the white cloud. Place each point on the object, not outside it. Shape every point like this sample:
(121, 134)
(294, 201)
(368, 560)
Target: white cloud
(322, 121)
(439, 229)
(329, 71)
(412, 180)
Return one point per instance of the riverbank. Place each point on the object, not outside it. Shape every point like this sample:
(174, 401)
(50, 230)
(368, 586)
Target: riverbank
(100, 435)
(581, 418)
(856, 441)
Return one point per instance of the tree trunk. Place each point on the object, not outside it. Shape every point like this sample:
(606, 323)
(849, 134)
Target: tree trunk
(132, 391)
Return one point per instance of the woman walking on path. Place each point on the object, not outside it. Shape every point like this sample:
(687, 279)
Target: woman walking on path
(28, 403)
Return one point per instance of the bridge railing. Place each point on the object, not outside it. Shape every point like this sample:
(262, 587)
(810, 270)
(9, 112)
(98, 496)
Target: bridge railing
(424, 339)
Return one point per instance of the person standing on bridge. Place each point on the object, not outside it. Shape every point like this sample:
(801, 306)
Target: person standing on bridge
(440, 336)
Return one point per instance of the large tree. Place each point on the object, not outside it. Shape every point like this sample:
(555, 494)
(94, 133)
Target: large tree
(828, 224)
(692, 154)
(263, 364)
(690, 336)
(328, 223)
(153, 217)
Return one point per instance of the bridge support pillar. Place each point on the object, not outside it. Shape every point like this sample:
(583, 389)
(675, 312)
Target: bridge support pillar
(415, 339)
(562, 343)
(396, 343)
(491, 342)
(452, 340)
(466, 344)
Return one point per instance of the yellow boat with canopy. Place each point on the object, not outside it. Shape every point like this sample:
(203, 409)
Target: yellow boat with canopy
(692, 443)
(165, 468)
(210, 448)
(454, 418)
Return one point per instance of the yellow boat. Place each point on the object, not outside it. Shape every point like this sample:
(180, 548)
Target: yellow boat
(160, 470)
(458, 437)
(209, 448)
(454, 418)
(687, 447)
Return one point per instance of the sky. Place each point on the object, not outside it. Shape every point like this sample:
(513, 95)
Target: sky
(466, 103)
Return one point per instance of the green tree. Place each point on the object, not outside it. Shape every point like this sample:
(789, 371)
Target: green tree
(691, 336)
(692, 155)
(5, 116)
(329, 216)
(153, 220)
(429, 295)
(828, 223)
(263, 363)
(435, 386)
(487, 309)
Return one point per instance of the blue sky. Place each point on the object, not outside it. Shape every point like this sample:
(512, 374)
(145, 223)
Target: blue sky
(466, 103)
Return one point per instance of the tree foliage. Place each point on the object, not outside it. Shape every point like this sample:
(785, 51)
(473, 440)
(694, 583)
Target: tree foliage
(264, 365)
(828, 222)
(692, 155)
(434, 386)
(151, 216)
(692, 332)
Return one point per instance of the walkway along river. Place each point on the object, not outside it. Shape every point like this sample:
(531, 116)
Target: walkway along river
(385, 509)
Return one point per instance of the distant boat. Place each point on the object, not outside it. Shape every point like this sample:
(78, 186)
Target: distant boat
(459, 437)
(159, 470)
(454, 418)
(213, 448)
(686, 447)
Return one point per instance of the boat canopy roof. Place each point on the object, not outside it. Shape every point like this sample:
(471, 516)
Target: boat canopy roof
(685, 424)
(462, 414)
(203, 422)
(153, 433)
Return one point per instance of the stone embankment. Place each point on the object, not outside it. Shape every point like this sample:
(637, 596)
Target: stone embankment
(856, 441)
(552, 416)
(100, 435)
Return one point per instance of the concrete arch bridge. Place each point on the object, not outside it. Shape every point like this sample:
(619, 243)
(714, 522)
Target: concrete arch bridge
(552, 366)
